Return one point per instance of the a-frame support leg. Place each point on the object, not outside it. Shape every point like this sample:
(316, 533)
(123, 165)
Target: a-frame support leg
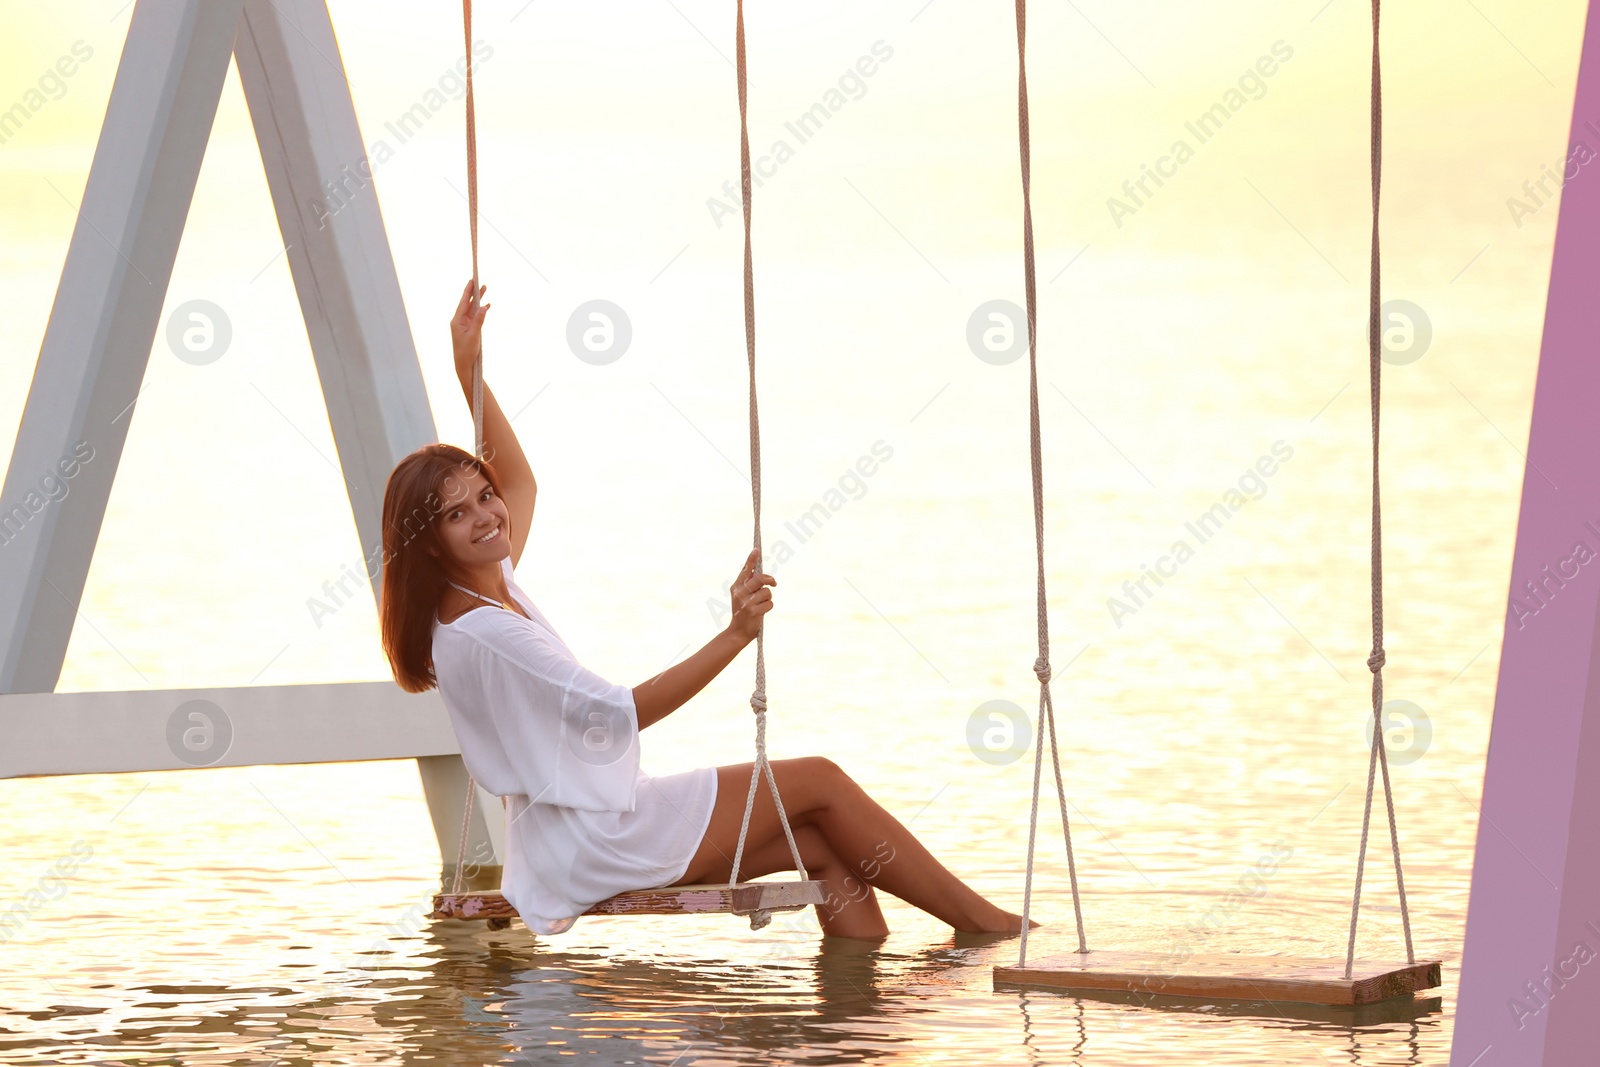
(97, 345)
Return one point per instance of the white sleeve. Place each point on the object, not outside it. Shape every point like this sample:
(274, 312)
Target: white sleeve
(554, 731)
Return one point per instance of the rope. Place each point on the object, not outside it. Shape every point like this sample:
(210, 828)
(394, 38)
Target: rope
(466, 823)
(1041, 665)
(477, 363)
(758, 699)
(472, 223)
(1379, 756)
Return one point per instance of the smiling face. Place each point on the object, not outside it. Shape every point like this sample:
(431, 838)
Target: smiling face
(474, 528)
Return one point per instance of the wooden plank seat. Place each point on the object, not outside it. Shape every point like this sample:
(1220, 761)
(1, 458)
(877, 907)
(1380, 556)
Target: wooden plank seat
(1226, 977)
(743, 898)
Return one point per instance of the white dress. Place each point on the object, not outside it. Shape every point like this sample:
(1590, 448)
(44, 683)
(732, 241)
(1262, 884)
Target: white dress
(583, 820)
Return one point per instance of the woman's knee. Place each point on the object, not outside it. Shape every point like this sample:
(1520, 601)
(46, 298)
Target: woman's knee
(822, 774)
(810, 783)
(825, 769)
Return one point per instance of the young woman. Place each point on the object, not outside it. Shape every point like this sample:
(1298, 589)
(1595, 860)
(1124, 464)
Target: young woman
(560, 743)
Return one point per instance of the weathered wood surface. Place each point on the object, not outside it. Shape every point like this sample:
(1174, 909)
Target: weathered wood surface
(1226, 977)
(670, 900)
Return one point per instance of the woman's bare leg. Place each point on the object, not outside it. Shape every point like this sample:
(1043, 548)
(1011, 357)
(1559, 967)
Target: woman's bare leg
(870, 843)
(849, 906)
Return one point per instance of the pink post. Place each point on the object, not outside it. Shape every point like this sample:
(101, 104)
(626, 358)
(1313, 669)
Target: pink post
(1530, 975)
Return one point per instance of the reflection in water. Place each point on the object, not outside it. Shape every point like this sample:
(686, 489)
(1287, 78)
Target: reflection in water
(1389, 1011)
(666, 992)
(804, 1003)
(1036, 1058)
(455, 994)
(1352, 1023)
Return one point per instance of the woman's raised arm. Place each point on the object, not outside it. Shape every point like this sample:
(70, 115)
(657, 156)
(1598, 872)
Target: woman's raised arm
(500, 445)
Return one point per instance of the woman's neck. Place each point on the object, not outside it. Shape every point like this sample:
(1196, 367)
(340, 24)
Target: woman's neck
(487, 582)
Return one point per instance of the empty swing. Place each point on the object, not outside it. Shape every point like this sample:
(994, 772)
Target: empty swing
(1214, 977)
(758, 900)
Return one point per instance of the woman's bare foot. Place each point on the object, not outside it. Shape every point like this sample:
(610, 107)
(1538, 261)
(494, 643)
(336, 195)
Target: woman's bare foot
(998, 922)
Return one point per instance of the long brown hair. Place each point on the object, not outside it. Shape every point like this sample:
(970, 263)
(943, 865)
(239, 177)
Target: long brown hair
(413, 577)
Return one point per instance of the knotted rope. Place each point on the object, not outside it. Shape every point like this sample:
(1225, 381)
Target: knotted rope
(758, 699)
(1041, 665)
(1379, 756)
(466, 824)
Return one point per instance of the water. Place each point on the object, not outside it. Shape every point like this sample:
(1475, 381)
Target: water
(294, 958)
(273, 914)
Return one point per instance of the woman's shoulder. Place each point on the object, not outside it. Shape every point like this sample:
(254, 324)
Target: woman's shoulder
(531, 609)
(497, 633)
(483, 624)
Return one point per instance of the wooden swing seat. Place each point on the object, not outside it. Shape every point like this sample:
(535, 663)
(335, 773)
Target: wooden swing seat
(1225, 977)
(742, 898)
